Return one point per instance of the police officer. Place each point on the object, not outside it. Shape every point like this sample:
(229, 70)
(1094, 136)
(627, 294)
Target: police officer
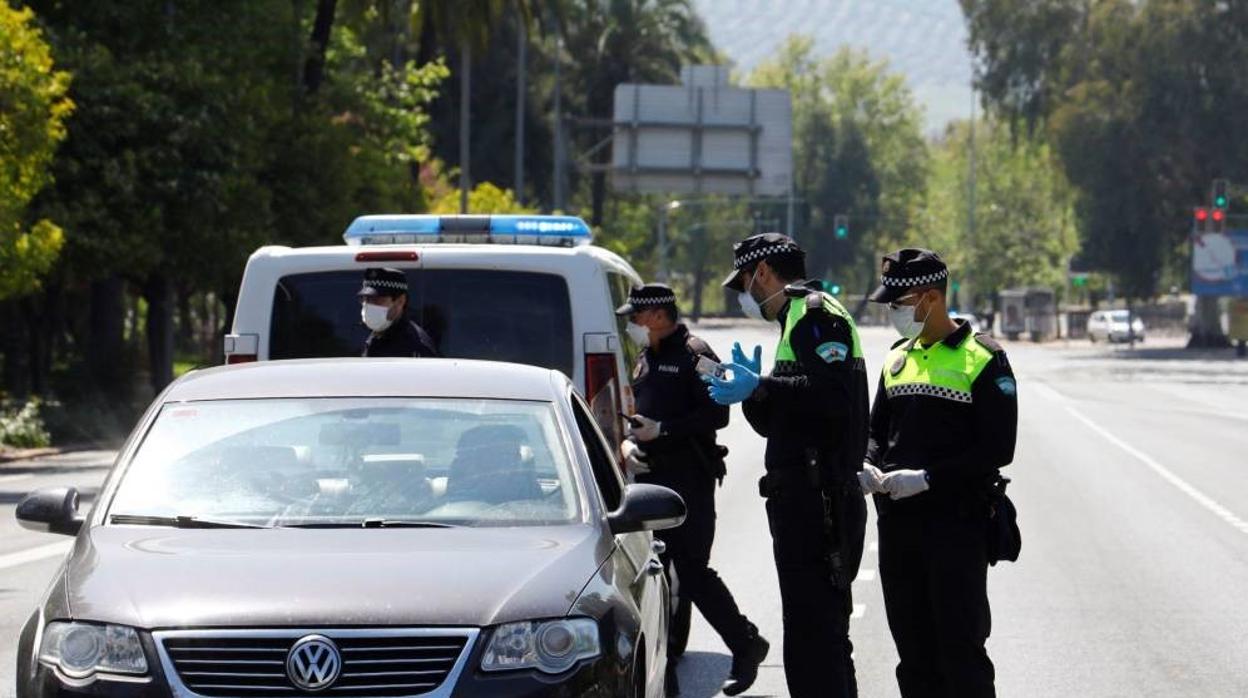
(383, 309)
(943, 422)
(672, 443)
(812, 408)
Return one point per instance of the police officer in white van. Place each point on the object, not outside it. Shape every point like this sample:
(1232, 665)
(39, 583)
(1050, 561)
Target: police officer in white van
(383, 309)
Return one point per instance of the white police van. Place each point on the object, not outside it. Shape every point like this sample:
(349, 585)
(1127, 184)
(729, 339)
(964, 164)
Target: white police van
(528, 289)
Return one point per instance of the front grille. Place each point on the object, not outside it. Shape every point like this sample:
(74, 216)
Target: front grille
(252, 664)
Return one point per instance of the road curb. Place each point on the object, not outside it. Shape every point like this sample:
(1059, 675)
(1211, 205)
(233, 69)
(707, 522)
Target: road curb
(9, 455)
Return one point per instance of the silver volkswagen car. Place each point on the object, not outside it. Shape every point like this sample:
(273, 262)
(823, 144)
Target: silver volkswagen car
(356, 527)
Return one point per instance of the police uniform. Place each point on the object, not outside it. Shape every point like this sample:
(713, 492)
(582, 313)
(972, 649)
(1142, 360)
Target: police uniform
(950, 410)
(812, 408)
(403, 337)
(686, 458)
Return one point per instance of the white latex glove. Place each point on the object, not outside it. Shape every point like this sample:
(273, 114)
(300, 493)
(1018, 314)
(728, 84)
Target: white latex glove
(649, 429)
(633, 458)
(871, 479)
(905, 483)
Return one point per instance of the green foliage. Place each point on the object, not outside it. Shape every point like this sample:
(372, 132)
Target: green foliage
(1024, 233)
(858, 150)
(33, 110)
(484, 198)
(1142, 102)
(22, 426)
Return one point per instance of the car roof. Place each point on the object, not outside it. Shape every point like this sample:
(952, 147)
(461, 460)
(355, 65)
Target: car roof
(355, 377)
(498, 251)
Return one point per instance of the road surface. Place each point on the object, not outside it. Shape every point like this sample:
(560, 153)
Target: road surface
(1132, 503)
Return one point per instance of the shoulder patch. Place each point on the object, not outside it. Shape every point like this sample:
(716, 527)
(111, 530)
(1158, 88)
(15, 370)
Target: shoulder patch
(988, 343)
(832, 352)
(1007, 386)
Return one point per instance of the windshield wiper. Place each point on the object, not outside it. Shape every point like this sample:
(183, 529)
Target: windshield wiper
(373, 523)
(179, 521)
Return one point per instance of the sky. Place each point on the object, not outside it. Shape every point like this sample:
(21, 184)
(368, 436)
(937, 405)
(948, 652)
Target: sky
(925, 40)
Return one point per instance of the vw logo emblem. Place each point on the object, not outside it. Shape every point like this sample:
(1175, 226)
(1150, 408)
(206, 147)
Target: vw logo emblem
(313, 663)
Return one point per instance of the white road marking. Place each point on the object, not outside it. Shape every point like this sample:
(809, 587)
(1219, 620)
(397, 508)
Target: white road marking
(866, 576)
(15, 477)
(35, 554)
(860, 610)
(874, 547)
(1165, 473)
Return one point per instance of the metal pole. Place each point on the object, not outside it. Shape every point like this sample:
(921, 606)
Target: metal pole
(662, 272)
(522, 45)
(558, 184)
(970, 212)
(465, 87)
(788, 224)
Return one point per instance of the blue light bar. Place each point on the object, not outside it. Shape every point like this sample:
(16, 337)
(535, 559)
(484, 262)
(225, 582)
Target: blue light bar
(509, 229)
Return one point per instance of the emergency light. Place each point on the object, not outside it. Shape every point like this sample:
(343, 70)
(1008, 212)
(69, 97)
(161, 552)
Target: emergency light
(563, 231)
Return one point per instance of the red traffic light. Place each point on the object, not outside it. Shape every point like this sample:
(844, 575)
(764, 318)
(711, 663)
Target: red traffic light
(1202, 215)
(1219, 215)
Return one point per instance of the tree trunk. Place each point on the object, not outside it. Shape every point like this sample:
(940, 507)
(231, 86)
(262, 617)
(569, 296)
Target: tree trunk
(106, 334)
(699, 280)
(322, 26)
(599, 194)
(185, 341)
(159, 295)
(1207, 326)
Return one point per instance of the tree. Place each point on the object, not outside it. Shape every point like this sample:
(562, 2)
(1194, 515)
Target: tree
(858, 150)
(1025, 230)
(1141, 100)
(33, 110)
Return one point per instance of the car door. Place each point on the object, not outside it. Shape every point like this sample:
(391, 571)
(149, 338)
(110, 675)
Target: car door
(638, 552)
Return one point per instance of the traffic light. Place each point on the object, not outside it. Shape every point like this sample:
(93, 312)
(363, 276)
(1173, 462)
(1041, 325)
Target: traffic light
(1221, 197)
(1200, 219)
(1219, 220)
(831, 287)
(840, 224)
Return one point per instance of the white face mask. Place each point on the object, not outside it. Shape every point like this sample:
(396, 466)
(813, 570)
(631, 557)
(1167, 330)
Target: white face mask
(903, 321)
(375, 317)
(639, 334)
(752, 308)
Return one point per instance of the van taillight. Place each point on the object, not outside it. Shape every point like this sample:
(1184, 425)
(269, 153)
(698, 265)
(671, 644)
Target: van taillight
(602, 394)
(240, 358)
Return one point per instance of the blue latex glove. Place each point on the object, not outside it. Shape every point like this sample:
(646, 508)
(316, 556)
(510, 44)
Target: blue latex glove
(728, 391)
(739, 357)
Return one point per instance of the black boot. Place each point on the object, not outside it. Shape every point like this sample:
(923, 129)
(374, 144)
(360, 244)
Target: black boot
(671, 684)
(745, 663)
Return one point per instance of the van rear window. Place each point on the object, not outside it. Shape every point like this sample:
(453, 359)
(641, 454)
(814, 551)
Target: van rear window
(523, 317)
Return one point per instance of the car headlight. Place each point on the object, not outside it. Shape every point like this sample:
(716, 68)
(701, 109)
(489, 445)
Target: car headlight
(82, 650)
(552, 646)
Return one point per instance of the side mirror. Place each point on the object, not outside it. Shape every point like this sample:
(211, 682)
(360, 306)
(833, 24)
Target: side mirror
(52, 510)
(647, 508)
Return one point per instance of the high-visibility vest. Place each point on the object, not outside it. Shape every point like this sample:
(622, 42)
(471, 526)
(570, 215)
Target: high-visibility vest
(939, 371)
(786, 358)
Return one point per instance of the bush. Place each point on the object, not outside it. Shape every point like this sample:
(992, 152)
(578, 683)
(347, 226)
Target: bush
(22, 427)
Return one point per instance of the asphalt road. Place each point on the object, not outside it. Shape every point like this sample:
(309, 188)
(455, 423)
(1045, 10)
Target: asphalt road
(1133, 510)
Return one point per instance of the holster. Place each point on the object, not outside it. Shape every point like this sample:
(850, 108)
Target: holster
(818, 475)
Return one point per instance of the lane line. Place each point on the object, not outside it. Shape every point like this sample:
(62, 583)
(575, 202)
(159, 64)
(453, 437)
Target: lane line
(874, 547)
(15, 477)
(865, 576)
(35, 554)
(1165, 473)
(860, 610)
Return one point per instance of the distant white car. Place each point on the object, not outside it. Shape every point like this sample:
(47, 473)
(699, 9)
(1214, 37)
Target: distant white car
(1112, 326)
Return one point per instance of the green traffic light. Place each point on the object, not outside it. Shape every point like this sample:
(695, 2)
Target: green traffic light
(835, 289)
(842, 233)
(1220, 202)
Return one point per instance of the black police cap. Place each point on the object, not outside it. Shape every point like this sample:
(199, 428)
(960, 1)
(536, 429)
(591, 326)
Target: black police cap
(383, 282)
(907, 269)
(647, 297)
(757, 248)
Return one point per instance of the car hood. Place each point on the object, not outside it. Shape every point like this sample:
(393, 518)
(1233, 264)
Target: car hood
(162, 578)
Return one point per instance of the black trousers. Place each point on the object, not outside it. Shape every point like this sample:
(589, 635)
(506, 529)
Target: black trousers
(818, 660)
(934, 573)
(689, 553)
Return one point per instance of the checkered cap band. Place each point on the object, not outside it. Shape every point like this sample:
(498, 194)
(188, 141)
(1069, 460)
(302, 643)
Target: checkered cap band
(929, 390)
(763, 253)
(381, 283)
(914, 280)
(654, 300)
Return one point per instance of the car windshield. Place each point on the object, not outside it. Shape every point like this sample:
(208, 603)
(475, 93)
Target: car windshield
(350, 462)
